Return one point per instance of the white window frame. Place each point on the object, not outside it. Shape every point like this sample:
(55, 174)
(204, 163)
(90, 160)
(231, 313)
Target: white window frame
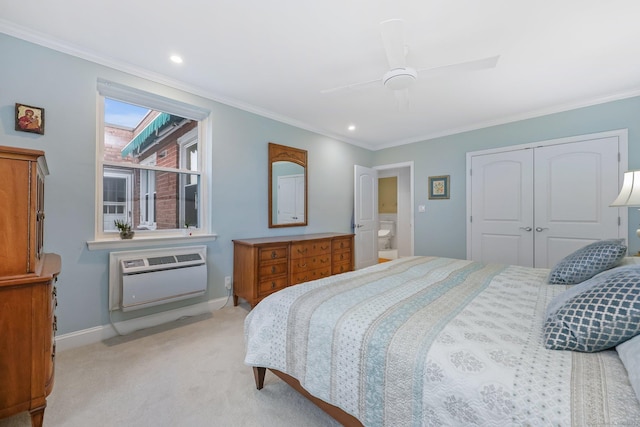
(148, 191)
(128, 207)
(108, 89)
(184, 142)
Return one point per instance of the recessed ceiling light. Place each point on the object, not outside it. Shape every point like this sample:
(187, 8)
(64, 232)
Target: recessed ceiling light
(351, 128)
(175, 58)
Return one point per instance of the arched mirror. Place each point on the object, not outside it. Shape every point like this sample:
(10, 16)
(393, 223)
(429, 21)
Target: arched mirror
(287, 186)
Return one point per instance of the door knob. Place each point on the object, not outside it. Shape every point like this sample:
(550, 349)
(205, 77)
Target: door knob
(539, 229)
(526, 228)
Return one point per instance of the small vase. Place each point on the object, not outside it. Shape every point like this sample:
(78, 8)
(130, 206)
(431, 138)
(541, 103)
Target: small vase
(127, 234)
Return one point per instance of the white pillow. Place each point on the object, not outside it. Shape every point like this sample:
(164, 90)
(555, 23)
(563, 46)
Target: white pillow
(629, 352)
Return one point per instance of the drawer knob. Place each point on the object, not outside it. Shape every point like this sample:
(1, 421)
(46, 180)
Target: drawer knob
(274, 254)
(273, 268)
(273, 285)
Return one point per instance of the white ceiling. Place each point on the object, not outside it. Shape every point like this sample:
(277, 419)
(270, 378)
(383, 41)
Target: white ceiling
(274, 57)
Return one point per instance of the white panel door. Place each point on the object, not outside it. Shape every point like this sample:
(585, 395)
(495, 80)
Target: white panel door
(502, 208)
(290, 201)
(574, 183)
(536, 205)
(365, 216)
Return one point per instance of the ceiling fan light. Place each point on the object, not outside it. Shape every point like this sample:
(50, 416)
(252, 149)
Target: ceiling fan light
(399, 78)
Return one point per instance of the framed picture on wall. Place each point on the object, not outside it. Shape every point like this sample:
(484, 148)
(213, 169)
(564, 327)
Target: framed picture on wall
(29, 119)
(439, 187)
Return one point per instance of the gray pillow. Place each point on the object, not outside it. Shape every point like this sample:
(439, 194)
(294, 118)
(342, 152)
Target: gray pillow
(588, 261)
(629, 352)
(601, 317)
(575, 290)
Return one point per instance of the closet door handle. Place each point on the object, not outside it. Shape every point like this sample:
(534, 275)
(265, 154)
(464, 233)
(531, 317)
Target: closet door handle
(539, 229)
(526, 228)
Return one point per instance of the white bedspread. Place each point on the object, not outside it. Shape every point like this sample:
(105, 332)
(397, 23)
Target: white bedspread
(436, 341)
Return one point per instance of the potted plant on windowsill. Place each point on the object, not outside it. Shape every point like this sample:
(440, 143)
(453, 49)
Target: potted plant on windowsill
(125, 229)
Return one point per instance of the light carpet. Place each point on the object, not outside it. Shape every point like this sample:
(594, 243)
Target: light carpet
(186, 373)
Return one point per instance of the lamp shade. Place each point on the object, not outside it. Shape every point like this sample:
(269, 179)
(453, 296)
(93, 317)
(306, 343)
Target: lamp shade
(630, 193)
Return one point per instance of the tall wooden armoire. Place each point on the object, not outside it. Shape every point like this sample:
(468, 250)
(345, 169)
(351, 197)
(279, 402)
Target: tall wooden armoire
(27, 290)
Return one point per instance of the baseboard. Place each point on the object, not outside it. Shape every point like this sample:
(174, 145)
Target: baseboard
(104, 332)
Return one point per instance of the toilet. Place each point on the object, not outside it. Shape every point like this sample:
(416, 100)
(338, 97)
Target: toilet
(385, 234)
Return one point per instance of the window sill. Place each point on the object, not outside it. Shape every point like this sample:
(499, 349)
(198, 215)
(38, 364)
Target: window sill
(117, 243)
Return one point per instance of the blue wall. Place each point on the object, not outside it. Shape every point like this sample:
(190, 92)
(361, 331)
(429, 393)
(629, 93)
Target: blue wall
(441, 230)
(66, 87)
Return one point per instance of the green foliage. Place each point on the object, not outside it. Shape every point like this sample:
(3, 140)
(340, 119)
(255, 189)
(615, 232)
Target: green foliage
(122, 225)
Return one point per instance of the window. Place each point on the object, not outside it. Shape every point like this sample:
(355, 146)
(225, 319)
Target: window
(148, 195)
(150, 164)
(116, 197)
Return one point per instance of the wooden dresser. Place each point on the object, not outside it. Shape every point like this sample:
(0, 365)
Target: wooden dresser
(264, 265)
(27, 290)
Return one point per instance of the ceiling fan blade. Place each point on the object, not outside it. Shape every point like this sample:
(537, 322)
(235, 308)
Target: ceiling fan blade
(478, 64)
(393, 39)
(352, 86)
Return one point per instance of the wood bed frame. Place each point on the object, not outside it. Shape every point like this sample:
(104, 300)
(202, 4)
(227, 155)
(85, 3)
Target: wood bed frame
(336, 413)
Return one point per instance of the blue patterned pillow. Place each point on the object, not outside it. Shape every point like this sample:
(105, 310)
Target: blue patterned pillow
(575, 290)
(588, 261)
(600, 317)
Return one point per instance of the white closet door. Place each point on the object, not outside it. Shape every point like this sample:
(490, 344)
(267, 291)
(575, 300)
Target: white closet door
(536, 205)
(502, 208)
(574, 185)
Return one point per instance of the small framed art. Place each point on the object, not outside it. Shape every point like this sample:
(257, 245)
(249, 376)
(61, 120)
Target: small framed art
(439, 187)
(29, 119)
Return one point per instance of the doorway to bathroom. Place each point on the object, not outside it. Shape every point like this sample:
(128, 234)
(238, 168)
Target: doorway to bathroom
(395, 210)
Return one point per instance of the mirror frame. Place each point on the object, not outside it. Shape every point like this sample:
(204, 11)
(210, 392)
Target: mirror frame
(282, 153)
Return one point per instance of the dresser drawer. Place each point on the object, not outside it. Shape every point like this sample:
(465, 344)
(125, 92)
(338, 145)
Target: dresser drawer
(310, 263)
(341, 244)
(341, 257)
(305, 249)
(267, 287)
(305, 276)
(272, 269)
(341, 267)
(272, 253)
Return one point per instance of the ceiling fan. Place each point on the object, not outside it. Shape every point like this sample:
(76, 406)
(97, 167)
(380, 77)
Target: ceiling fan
(400, 76)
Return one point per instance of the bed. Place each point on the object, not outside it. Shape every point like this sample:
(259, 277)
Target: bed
(435, 341)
